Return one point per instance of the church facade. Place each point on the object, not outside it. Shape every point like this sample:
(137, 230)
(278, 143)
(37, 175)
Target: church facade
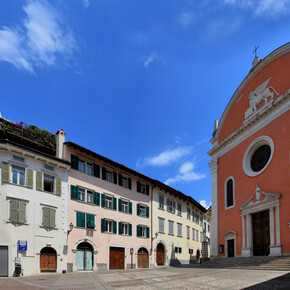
(250, 166)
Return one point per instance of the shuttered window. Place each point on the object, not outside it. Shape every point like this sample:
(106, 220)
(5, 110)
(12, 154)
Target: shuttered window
(125, 229)
(48, 217)
(142, 210)
(161, 225)
(109, 201)
(85, 220)
(142, 231)
(108, 226)
(142, 188)
(17, 211)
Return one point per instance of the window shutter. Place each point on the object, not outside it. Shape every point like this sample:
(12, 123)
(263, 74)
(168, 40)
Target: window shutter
(29, 177)
(114, 203)
(130, 230)
(97, 170)
(138, 231)
(39, 180)
(104, 173)
(173, 205)
(138, 209)
(90, 221)
(74, 190)
(45, 217)
(120, 228)
(52, 218)
(58, 186)
(130, 207)
(103, 225)
(96, 198)
(138, 186)
(120, 204)
(115, 177)
(147, 189)
(147, 211)
(81, 219)
(74, 162)
(114, 227)
(129, 183)
(13, 211)
(5, 172)
(22, 212)
(147, 232)
(120, 179)
(103, 200)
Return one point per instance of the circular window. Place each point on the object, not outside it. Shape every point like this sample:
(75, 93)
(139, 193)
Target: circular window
(258, 156)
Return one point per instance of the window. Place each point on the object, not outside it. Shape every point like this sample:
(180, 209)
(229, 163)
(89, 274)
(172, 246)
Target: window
(161, 201)
(85, 195)
(170, 206)
(125, 229)
(89, 168)
(18, 158)
(193, 215)
(179, 209)
(125, 181)
(188, 232)
(193, 234)
(161, 225)
(179, 230)
(48, 183)
(81, 196)
(142, 188)
(81, 166)
(229, 188)
(204, 225)
(18, 175)
(196, 235)
(125, 206)
(142, 231)
(188, 213)
(48, 217)
(48, 167)
(178, 250)
(89, 196)
(196, 218)
(170, 227)
(108, 226)
(17, 211)
(109, 175)
(142, 210)
(201, 236)
(109, 201)
(85, 220)
(208, 228)
(84, 166)
(201, 219)
(190, 251)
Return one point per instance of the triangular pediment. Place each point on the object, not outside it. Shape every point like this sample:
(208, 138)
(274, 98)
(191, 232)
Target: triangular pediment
(230, 233)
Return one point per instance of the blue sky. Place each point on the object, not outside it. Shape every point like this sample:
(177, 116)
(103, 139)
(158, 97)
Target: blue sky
(140, 82)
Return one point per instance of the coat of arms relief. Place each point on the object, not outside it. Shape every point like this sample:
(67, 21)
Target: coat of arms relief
(261, 93)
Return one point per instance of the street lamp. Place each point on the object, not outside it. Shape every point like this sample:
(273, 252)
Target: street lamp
(71, 226)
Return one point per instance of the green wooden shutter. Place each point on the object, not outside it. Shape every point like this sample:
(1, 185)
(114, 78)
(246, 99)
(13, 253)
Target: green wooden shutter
(138, 229)
(103, 200)
(120, 179)
(13, 211)
(81, 219)
(130, 230)
(147, 232)
(114, 203)
(138, 209)
(39, 180)
(5, 172)
(52, 218)
(90, 221)
(74, 162)
(96, 198)
(103, 225)
(147, 189)
(129, 183)
(29, 177)
(74, 190)
(147, 211)
(120, 228)
(115, 177)
(22, 212)
(114, 227)
(45, 217)
(104, 175)
(58, 186)
(138, 186)
(130, 207)
(97, 170)
(120, 204)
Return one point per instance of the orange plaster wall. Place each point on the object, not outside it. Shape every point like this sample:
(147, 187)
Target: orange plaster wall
(279, 70)
(231, 164)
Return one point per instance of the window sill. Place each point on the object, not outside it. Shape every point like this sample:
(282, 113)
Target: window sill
(17, 223)
(48, 228)
(161, 232)
(85, 202)
(170, 234)
(179, 236)
(84, 228)
(229, 207)
(23, 186)
(171, 212)
(160, 208)
(179, 214)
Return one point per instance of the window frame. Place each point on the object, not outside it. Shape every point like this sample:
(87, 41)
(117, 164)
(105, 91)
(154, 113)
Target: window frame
(179, 210)
(18, 211)
(179, 226)
(49, 177)
(17, 167)
(163, 222)
(160, 202)
(226, 192)
(188, 232)
(170, 222)
(171, 206)
(188, 213)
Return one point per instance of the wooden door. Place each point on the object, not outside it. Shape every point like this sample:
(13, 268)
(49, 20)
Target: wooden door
(47, 262)
(143, 258)
(160, 256)
(261, 233)
(3, 261)
(117, 258)
(231, 248)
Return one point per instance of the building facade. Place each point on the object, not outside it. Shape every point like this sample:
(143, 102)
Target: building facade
(110, 208)
(250, 164)
(177, 227)
(33, 215)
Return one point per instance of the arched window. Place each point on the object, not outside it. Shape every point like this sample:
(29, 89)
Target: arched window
(229, 192)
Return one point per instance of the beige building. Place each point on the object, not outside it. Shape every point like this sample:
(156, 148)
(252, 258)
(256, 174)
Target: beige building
(177, 227)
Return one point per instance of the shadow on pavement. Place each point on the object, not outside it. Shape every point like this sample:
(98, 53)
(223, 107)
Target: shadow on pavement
(282, 282)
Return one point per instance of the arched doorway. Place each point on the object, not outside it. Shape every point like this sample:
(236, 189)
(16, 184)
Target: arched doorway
(143, 258)
(48, 260)
(198, 256)
(84, 257)
(160, 253)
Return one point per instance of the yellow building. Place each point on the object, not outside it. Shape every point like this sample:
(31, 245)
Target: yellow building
(177, 227)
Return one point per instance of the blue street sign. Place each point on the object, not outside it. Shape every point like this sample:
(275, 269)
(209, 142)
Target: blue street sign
(22, 245)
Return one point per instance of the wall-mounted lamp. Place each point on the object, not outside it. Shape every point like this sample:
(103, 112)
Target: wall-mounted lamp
(71, 226)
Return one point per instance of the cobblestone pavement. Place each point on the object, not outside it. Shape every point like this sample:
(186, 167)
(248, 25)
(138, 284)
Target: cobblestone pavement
(159, 278)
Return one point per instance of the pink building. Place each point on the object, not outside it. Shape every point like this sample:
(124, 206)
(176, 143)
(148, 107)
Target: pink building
(110, 208)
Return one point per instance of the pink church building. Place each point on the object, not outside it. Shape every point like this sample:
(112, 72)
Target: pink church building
(109, 206)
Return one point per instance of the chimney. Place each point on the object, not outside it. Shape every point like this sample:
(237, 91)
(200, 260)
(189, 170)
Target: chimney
(60, 137)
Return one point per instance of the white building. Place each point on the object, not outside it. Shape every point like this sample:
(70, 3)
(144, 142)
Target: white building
(33, 215)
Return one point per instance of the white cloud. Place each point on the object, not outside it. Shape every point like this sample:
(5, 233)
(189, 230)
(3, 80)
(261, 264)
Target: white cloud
(186, 19)
(149, 59)
(39, 40)
(205, 204)
(186, 174)
(86, 3)
(166, 157)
